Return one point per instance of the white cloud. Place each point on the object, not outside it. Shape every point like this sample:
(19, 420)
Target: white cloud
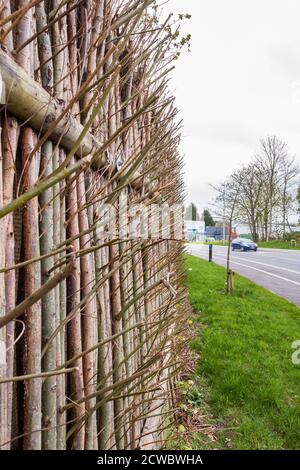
(240, 82)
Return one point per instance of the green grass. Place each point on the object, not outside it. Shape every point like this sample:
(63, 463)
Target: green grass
(245, 366)
(283, 244)
(220, 243)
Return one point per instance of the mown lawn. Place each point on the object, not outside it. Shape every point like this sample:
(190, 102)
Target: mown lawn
(217, 242)
(245, 345)
(284, 245)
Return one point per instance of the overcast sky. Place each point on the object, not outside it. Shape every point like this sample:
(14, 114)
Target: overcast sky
(240, 82)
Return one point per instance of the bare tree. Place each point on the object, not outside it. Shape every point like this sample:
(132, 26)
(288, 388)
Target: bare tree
(271, 160)
(227, 201)
(265, 190)
(289, 172)
(250, 182)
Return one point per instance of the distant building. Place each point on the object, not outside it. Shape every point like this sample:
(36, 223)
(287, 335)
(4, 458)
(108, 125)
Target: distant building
(195, 230)
(216, 232)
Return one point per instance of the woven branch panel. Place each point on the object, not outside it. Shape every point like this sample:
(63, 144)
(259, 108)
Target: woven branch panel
(91, 299)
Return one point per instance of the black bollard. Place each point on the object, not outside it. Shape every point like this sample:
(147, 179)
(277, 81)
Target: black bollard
(210, 252)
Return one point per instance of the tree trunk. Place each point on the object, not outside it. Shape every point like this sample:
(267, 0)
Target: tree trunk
(3, 358)
(32, 281)
(9, 146)
(32, 275)
(89, 312)
(74, 328)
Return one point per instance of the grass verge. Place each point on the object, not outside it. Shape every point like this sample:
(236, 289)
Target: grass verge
(219, 243)
(246, 380)
(281, 244)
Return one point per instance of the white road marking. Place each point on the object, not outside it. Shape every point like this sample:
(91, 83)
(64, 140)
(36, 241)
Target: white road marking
(270, 266)
(259, 253)
(265, 272)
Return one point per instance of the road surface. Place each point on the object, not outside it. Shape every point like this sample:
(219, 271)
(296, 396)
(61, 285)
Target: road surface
(277, 270)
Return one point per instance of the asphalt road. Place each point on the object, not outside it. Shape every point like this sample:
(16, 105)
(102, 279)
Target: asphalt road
(277, 270)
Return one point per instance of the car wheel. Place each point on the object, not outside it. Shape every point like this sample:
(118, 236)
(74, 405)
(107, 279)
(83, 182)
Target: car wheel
(242, 248)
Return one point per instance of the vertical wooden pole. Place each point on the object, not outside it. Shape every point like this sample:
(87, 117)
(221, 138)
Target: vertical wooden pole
(48, 305)
(32, 275)
(105, 361)
(89, 310)
(74, 327)
(3, 359)
(118, 355)
(9, 146)
(49, 321)
(59, 206)
(32, 411)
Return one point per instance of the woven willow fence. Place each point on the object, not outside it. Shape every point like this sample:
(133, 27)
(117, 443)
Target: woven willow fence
(91, 311)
